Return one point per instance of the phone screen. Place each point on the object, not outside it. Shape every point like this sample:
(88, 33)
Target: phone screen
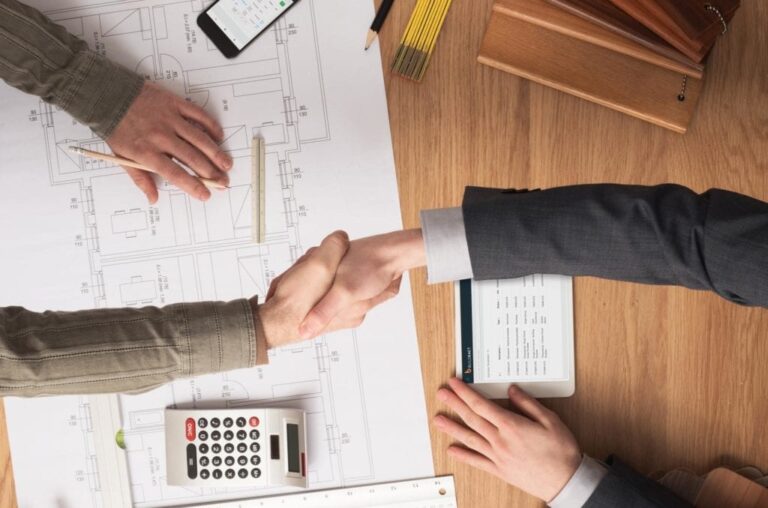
(242, 20)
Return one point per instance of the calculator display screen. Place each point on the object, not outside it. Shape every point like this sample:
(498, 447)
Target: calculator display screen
(292, 437)
(242, 20)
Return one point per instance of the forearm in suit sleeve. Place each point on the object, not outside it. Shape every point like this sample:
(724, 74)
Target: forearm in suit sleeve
(666, 234)
(626, 488)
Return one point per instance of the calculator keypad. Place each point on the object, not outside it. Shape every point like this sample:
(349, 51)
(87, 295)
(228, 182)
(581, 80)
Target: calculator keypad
(240, 457)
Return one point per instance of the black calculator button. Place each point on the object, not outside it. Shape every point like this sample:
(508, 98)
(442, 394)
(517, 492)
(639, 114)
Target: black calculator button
(216, 448)
(228, 422)
(255, 447)
(241, 434)
(229, 447)
(202, 423)
(215, 422)
(255, 460)
(217, 473)
(242, 460)
(230, 460)
(205, 474)
(202, 435)
(255, 434)
(230, 473)
(255, 472)
(241, 447)
(241, 421)
(215, 435)
(204, 461)
(217, 461)
(228, 435)
(203, 448)
(191, 461)
(243, 473)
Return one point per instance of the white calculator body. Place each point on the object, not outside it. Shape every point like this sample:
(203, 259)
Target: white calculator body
(236, 447)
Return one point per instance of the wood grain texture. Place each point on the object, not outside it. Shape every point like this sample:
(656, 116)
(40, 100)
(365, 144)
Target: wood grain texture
(607, 15)
(567, 21)
(665, 377)
(7, 490)
(567, 56)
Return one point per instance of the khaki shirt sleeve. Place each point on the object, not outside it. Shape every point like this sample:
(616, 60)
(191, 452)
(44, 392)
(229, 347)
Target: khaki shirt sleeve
(124, 350)
(41, 58)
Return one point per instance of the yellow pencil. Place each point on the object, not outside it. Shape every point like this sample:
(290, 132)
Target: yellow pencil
(211, 184)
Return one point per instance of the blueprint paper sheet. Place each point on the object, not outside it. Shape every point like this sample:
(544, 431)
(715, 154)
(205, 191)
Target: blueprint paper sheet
(78, 234)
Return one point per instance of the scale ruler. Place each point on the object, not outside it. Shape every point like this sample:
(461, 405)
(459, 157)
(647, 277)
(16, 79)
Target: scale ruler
(436, 492)
(258, 189)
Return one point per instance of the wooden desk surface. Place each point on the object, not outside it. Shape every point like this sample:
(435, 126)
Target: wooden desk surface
(665, 377)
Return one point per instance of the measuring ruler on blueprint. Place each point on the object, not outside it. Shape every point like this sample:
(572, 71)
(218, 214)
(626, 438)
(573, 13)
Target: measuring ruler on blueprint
(427, 493)
(258, 189)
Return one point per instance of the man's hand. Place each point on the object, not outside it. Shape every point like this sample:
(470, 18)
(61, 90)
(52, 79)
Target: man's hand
(530, 448)
(369, 275)
(299, 288)
(160, 126)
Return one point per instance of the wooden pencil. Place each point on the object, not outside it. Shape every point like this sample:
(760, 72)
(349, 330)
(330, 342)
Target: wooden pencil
(378, 22)
(211, 184)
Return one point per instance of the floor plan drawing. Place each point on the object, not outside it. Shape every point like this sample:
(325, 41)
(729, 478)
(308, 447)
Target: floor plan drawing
(301, 89)
(187, 235)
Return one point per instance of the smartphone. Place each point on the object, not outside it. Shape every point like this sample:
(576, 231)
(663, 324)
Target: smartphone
(233, 24)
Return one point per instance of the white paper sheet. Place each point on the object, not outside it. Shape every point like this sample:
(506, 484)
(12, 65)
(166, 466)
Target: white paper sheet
(520, 333)
(516, 331)
(77, 234)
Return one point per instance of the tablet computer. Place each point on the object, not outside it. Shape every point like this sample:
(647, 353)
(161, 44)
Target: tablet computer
(516, 331)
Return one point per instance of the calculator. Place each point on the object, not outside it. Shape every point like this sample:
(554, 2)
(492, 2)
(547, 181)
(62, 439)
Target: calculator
(264, 447)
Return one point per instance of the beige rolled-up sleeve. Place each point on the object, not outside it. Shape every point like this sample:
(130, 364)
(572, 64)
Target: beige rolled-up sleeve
(124, 350)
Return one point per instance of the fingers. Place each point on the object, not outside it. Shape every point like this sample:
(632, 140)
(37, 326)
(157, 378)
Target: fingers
(332, 250)
(175, 175)
(321, 316)
(144, 182)
(459, 432)
(479, 404)
(330, 253)
(468, 414)
(196, 160)
(473, 459)
(197, 114)
(273, 287)
(199, 139)
(529, 406)
(334, 300)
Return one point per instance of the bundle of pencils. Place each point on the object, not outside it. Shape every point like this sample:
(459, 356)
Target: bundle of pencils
(420, 37)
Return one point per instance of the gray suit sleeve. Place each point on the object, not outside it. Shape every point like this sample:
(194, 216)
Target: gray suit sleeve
(626, 488)
(665, 234)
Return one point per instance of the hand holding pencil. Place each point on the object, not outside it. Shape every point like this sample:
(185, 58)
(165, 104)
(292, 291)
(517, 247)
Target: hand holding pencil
(160, 127)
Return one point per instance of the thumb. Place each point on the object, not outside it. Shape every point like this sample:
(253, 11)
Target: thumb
(331, 251)
(323, 313)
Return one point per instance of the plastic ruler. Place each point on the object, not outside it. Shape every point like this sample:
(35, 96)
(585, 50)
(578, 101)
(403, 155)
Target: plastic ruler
(436, 492)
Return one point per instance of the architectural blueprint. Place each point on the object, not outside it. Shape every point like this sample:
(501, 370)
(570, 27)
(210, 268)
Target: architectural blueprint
(77, 234)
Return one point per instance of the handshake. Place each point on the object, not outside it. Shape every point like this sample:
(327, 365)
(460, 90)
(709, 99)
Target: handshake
(334, 285)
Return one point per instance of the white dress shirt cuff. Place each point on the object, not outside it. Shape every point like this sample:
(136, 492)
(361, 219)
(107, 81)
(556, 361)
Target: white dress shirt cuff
(582, 484)
(446, 245)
